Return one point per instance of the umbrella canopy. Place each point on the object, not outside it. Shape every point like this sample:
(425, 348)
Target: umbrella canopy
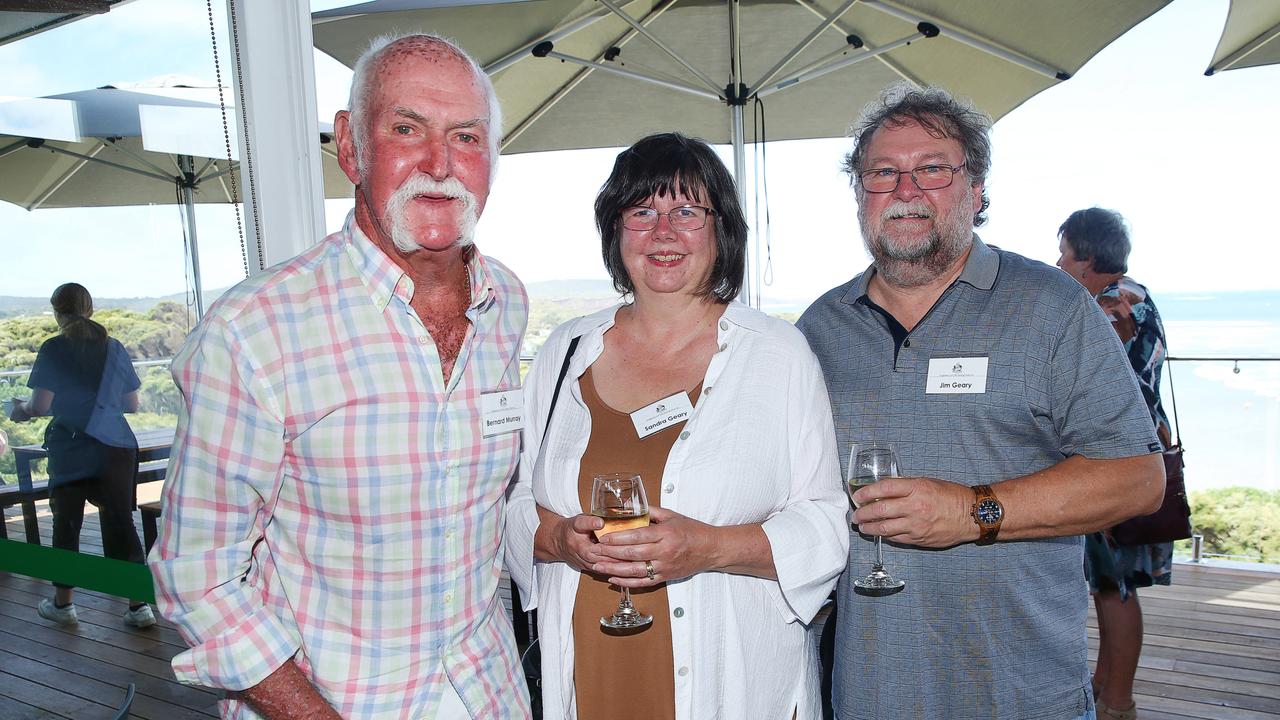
(24, 18)
(157, 142)
(123, 146)
(601, 73)
(1250, 38)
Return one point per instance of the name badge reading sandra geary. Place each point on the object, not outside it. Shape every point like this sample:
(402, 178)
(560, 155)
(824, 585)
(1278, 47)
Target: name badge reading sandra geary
(666, 412)
(501, 412)
(956, 376)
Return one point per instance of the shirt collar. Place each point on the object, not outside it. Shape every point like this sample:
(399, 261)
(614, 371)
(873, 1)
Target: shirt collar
(980, 271)
(384, 279)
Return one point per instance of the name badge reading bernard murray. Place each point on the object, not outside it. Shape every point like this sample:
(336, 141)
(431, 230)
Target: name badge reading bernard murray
(664, 413)
(501, 412)
(956, 376)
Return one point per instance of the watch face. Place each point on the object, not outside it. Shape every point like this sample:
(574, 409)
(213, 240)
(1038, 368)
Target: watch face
(989, 512)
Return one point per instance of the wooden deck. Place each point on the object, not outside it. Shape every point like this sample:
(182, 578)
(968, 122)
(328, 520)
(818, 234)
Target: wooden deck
(1212, 650)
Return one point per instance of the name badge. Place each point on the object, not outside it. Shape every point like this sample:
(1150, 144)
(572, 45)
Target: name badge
(666, 412)
(501, 412)
(956, 376)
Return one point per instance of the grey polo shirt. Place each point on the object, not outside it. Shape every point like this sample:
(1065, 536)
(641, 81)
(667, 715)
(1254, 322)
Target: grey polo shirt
(979, 632)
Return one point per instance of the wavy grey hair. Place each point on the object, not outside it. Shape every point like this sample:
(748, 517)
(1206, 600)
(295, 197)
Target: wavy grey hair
(367, 64)
(938, 112)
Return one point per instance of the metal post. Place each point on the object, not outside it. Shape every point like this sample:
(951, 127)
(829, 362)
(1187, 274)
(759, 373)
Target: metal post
(187, 166)
(1197, 553)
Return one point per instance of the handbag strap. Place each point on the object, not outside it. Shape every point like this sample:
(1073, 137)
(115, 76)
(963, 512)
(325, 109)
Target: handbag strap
(1173, 403)
(564, 370)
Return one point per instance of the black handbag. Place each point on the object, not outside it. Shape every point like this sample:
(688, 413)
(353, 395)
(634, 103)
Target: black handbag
(1173, 520)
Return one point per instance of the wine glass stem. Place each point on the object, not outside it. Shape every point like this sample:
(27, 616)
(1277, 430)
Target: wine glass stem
(879, 558)
(626, 597)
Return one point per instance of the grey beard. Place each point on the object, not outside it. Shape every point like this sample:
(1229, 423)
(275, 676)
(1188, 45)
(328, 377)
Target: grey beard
(918, 266)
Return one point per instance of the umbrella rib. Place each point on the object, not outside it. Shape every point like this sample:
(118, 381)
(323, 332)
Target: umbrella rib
(13, 148)
(827, 22)
(974, 41)
(582, 75)
(661, 45)
(117, 146)
(555, 35)
(845, 31)
(811, 73)
(229, 169)
(57, 184)
(635, 75)
(116, 165)
(1247, 49)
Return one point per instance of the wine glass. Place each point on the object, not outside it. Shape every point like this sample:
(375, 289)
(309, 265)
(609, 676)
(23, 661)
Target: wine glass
(868, 464)
(619, 500)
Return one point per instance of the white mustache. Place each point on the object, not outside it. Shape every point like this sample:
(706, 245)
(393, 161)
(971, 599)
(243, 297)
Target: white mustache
(415, 185)
(903, 209)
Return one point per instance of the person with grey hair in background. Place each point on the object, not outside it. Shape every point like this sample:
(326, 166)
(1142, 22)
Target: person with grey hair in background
(1094, 246)
(1017, 426)
(334, 506)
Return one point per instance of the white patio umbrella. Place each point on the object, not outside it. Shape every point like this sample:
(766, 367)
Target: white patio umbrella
(602, 73)
(154, 142)
(1251, 36)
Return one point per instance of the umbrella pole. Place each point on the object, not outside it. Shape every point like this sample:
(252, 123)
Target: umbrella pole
(187, 185)
(740, 177)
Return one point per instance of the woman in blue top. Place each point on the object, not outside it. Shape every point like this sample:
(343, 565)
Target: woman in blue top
(86, 381)
(1095, 251)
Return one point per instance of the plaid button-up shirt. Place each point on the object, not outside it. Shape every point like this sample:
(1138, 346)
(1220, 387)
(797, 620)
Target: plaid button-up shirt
(331, 499)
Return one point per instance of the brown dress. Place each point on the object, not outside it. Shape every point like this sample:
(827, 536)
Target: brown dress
(622, 676)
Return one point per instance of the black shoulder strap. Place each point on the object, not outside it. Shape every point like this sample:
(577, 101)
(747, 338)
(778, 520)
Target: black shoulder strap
(564, 370)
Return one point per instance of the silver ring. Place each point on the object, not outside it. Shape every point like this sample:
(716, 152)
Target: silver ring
(648, 569)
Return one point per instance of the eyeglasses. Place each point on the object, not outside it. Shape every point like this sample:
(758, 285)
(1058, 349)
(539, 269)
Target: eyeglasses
(685, 217)
(926, 177)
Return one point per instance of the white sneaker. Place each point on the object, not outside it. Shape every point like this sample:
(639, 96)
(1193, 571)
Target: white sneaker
(140, 618)
(62, 616)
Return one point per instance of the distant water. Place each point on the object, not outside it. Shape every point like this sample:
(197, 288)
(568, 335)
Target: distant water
(1230, 420)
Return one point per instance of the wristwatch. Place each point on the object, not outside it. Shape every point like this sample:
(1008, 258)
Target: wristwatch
(987, 512)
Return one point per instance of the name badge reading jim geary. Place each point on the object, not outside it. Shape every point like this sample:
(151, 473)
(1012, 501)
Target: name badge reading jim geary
(956, 376)
(501, 412)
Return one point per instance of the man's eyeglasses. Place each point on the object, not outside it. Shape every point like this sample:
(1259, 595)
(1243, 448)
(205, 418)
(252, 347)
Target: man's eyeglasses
(926, 177)
(685, 217)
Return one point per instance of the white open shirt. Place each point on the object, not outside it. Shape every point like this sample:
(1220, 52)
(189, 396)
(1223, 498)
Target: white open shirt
(758, 448)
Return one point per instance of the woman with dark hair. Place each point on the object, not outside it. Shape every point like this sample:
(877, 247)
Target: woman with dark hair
(1094, 246)
(723, 413)
(86, 380)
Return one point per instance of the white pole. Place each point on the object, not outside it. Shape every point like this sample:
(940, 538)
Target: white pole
(282, 138)
(187, 167)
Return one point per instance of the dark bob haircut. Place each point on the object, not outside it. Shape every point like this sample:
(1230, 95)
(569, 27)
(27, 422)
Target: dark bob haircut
(667, 165)
(1100, 237)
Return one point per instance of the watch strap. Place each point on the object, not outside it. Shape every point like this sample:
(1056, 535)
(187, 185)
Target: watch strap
(987, 531)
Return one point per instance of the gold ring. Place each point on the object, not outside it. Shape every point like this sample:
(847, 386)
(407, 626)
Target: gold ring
(648, 569)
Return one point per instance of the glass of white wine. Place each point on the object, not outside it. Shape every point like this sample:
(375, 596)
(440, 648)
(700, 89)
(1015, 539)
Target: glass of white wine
(619, 500)
(869, 464)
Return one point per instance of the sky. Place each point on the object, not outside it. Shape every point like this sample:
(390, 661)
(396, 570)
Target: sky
(1139, 129)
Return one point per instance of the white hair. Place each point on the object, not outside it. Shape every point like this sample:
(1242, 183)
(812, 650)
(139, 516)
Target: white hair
(363, 73)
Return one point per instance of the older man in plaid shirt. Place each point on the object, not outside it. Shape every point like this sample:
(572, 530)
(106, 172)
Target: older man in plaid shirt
(335, 500)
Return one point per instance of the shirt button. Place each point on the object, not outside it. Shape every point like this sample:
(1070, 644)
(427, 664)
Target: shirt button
(448, 597)
(678, 612)
(670, 488)
(706, 390)
(906, 343)
(724, 346)
(683, 671)
(422, 339)
(684, 434)
(724, 324)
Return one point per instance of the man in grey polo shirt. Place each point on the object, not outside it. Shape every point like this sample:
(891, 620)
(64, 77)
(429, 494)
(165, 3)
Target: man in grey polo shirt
(1003, 390)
